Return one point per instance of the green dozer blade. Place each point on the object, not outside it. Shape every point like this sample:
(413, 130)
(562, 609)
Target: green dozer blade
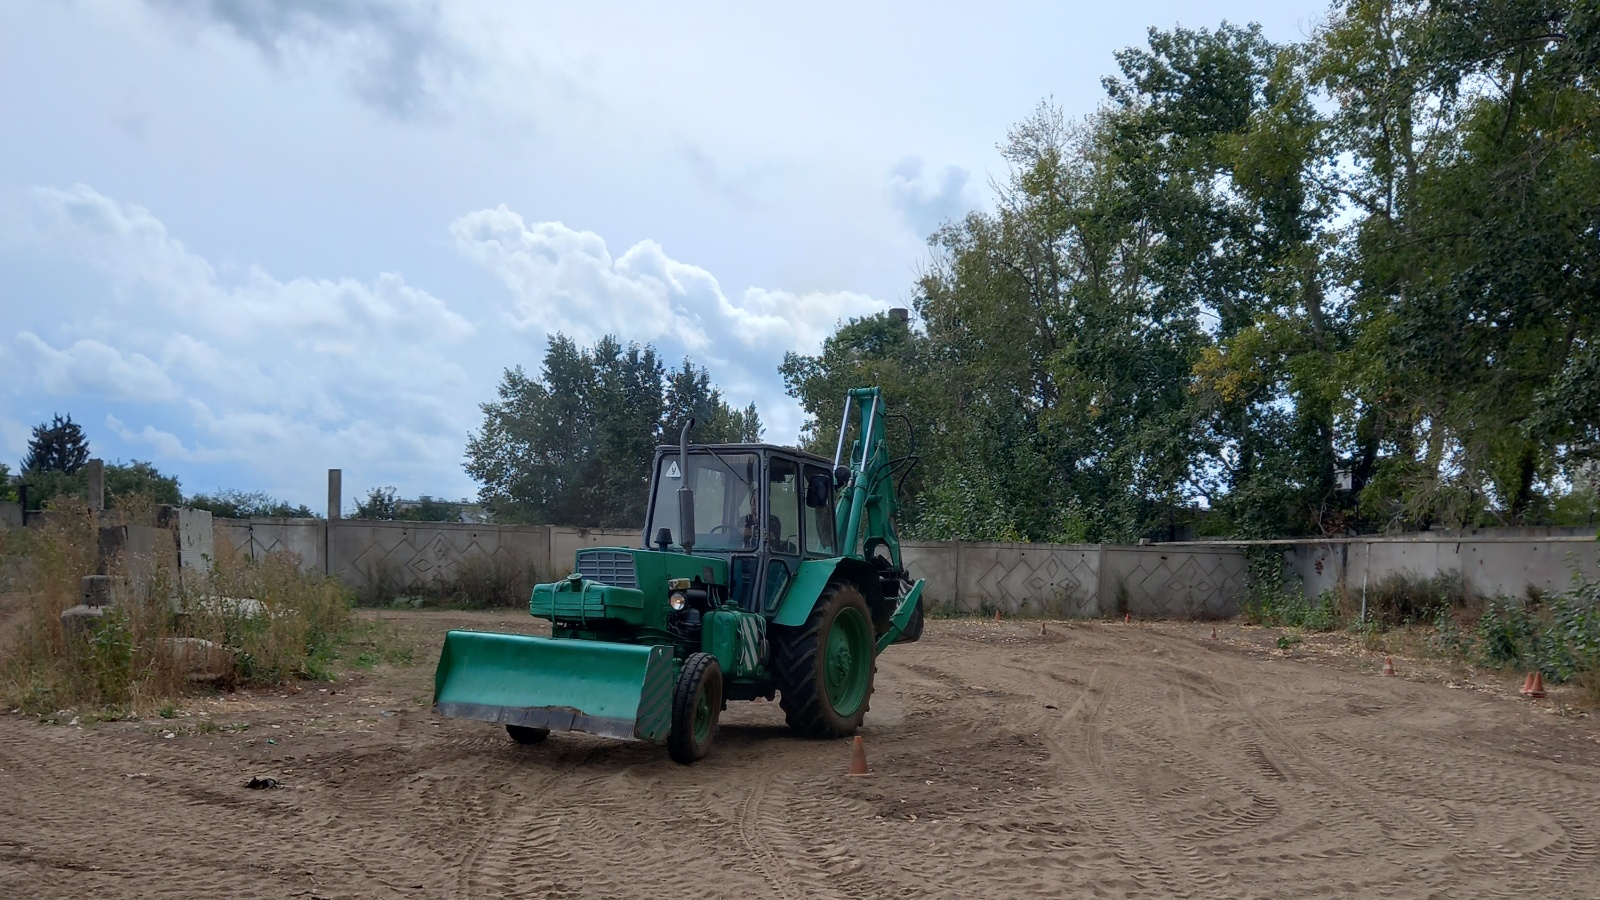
(616, 690)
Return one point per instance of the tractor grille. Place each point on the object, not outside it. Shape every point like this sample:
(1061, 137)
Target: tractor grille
(613, 567)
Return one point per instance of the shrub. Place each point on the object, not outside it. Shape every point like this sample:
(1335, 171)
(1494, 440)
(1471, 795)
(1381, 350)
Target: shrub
(1560, 638)
(242, 623)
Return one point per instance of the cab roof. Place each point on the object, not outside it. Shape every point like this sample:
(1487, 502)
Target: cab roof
(662, 449)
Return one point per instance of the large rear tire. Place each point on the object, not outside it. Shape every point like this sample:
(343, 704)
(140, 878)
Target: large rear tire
(825, 667)
(696, 707)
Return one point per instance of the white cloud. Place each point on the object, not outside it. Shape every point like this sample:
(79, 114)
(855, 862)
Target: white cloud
(278, 377)
(14, 437)
(281, 378)
(93, 368)
(166, 444)
(396, 54)
(566, 280)
(925, 199)
(134, 248)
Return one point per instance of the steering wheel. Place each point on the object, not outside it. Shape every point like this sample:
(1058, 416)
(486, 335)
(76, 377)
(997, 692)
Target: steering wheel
(721, 529)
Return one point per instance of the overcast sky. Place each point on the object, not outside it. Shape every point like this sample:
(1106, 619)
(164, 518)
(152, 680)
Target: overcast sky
(250, 241)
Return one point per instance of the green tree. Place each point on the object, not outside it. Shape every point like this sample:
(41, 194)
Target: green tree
(1222, 146)
(878, 350)
(56, 446)
(689, 392)
(380, 503)
(123, 482)
(8, 490)
(428, 509)
(143, 479)
(1475, 134)
(1059, 353)
(573, 446)
(1270, 289)
(237, 504)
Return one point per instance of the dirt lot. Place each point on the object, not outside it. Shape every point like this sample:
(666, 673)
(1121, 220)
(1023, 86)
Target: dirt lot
(1099, 760)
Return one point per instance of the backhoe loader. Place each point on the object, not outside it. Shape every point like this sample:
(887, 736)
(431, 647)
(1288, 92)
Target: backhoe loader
(762, 572)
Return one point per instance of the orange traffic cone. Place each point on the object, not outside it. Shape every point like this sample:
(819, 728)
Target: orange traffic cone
(1214, 634)
(1127, 618)
(1536, 690)
(1527, 685)
(858, 757)
(1388, 665)
(997, 615)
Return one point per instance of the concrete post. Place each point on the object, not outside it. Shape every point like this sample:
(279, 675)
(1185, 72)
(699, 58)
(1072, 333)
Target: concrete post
(113, 550)
(97, 484)
(335, 493)
(335, 500)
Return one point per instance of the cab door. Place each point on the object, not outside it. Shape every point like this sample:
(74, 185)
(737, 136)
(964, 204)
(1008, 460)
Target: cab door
(782, 533)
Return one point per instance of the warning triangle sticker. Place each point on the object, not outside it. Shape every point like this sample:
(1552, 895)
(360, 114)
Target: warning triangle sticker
(672, 470)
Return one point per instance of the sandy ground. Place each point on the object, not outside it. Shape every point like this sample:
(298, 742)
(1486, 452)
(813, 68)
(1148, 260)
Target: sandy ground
(1100, 760)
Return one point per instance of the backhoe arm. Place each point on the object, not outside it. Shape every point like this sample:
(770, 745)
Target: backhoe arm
(864, 521)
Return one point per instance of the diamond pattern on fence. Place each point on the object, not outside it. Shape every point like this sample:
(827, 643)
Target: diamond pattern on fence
(1038, 581)
(1177, 584)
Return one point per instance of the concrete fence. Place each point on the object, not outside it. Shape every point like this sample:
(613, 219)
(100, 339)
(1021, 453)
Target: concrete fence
(390, 559)
(1192, 580)
(1489, 562)
(1080, 580)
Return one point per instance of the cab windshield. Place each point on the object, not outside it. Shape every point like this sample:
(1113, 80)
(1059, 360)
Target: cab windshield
(726, 510)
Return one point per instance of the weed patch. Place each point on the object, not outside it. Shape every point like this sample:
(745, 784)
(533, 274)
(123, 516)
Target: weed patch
(241, 623)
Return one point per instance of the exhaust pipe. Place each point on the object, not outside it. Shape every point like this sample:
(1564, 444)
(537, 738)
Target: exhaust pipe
(685, 493)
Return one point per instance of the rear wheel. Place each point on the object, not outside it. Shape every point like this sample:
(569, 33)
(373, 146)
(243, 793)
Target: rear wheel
(825, 667)
(696, 706)
(522, 734)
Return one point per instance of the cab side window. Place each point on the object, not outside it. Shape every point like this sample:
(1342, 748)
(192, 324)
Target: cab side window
(783, 519)
(819, 513)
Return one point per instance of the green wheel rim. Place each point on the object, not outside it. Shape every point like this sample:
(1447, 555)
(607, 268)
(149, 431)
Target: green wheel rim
(847, 664)
(702, 713)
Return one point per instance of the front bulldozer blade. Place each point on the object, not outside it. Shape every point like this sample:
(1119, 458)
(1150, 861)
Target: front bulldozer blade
(616, 690)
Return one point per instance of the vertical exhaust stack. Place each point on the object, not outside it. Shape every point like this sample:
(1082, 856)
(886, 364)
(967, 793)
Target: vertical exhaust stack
(685, 493)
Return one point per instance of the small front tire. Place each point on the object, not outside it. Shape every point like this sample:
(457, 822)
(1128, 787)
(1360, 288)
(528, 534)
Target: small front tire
(522, 734)
(696, 708)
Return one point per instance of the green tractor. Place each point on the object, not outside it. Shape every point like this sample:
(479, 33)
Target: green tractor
(773, 574)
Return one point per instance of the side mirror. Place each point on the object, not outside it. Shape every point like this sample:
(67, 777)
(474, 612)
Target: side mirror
(818, 488)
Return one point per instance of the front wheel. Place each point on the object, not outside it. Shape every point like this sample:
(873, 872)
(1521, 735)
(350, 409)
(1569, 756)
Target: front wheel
(522, 734)
(696, 706)
(825, 667)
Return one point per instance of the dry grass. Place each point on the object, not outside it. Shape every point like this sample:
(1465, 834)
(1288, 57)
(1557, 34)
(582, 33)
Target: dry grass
(242, 623)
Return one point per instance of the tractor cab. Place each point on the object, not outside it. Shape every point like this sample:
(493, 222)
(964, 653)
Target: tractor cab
(763, 509)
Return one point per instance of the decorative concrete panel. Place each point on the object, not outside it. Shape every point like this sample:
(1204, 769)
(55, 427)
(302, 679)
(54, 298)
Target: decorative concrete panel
(935, 562)
(1160, 582)
(1054, 580)
(389, 559)
(1491, 562)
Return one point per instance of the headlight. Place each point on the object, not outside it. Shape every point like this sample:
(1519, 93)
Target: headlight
(677, 600)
